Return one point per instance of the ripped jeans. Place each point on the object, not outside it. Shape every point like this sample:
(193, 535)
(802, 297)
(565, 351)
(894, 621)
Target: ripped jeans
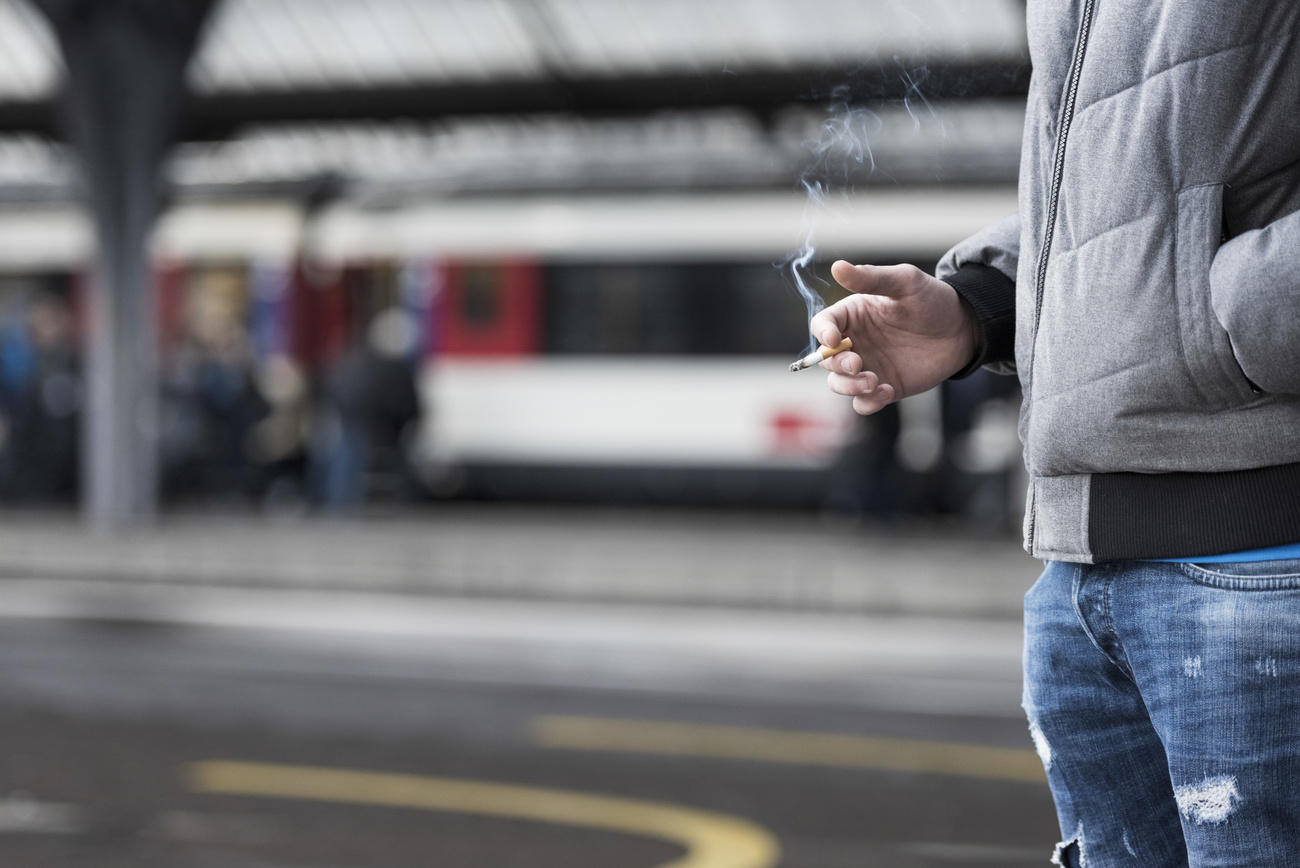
(1164, 700)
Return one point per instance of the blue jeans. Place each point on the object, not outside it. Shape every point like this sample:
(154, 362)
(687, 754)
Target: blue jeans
(1164, 700)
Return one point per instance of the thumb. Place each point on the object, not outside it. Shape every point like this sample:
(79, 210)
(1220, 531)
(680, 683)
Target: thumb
(870, 279)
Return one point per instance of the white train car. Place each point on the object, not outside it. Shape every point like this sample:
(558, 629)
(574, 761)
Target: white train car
(639, 341)
(716, 407)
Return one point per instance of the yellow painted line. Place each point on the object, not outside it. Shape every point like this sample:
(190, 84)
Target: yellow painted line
(786, 746)
(711, 840)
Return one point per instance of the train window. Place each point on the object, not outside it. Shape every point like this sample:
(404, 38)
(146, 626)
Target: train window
(675, 309)
(665, 309)
(481, 297)
(592, 309)
(618, 328)
(770, 317)
(569, 314)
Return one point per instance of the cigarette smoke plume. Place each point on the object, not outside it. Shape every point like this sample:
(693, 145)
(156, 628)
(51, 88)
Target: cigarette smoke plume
(841, 151)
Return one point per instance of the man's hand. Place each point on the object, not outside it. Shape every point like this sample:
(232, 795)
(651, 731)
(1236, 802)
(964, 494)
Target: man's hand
(910, 332)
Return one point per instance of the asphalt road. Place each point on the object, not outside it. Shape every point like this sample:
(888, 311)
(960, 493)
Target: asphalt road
(164, 741)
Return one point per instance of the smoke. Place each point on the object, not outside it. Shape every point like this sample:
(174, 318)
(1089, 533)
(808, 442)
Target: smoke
(840, 154)
(843, 145)
(798, 263)
(913, 99)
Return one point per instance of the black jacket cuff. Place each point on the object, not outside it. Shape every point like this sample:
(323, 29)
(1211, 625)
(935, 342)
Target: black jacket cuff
(992, 298)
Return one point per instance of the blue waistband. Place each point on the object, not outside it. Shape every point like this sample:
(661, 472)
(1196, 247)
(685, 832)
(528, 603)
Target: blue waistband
(1272, 553)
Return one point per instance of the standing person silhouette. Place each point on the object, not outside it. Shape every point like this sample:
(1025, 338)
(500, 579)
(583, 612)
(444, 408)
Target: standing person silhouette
(1147, 294)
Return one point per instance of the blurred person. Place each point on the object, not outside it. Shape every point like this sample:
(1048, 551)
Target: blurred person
(17, 396)
(979, 448)
(867, 477)
(371, 404)
(1146, 295)
(40, 395)
(280, 440)
(211, 407)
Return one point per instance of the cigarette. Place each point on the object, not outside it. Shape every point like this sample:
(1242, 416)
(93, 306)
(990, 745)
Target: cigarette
(821, 354)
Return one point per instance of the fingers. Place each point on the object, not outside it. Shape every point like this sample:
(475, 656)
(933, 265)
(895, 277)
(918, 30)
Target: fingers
(868, 393)
(847, 362)
(852, 386)
(865, 405)
(826, 328)
(890, 280)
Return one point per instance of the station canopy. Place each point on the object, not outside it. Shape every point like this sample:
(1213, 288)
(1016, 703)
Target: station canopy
(387, 98)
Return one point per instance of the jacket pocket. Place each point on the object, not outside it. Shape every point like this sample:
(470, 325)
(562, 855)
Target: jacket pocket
(1207, 349)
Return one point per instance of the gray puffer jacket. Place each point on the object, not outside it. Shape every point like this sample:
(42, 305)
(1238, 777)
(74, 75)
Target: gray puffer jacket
(1147, 293)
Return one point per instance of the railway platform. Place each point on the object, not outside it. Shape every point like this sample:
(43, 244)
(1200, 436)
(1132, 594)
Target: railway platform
(764, 560)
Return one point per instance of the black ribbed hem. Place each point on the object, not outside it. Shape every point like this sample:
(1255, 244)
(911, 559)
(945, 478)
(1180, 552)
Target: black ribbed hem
(992, 297)
(1180, 515)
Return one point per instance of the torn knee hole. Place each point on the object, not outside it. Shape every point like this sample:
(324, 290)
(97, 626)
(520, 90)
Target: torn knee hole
(1069, 854)
(1040, 744)
(1208, 802)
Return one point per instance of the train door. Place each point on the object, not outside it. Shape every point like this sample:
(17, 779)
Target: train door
(490, 309)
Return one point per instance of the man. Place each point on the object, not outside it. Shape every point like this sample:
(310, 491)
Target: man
(1146, 294)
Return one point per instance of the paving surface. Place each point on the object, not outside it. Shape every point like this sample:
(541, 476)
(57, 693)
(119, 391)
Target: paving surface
(787, 561)
(104, 725)
(510, 687)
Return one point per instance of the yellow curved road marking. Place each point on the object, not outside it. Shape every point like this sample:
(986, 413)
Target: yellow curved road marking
(786, 746)
(711, 840)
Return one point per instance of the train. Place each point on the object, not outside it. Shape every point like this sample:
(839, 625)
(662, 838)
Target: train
(579, 346)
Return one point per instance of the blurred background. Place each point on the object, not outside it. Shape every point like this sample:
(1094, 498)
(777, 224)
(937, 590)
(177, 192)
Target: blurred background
(399, 460)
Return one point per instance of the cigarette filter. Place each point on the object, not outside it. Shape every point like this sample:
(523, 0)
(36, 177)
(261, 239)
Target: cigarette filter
(820, 354)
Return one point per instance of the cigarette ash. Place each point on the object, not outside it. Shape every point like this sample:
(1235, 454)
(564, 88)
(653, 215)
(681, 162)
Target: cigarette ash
(841, 152)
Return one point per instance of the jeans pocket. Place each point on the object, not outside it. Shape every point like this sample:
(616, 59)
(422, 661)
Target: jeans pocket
(1275, 575)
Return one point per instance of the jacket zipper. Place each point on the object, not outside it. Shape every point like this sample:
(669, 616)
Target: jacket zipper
(1053, 202)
